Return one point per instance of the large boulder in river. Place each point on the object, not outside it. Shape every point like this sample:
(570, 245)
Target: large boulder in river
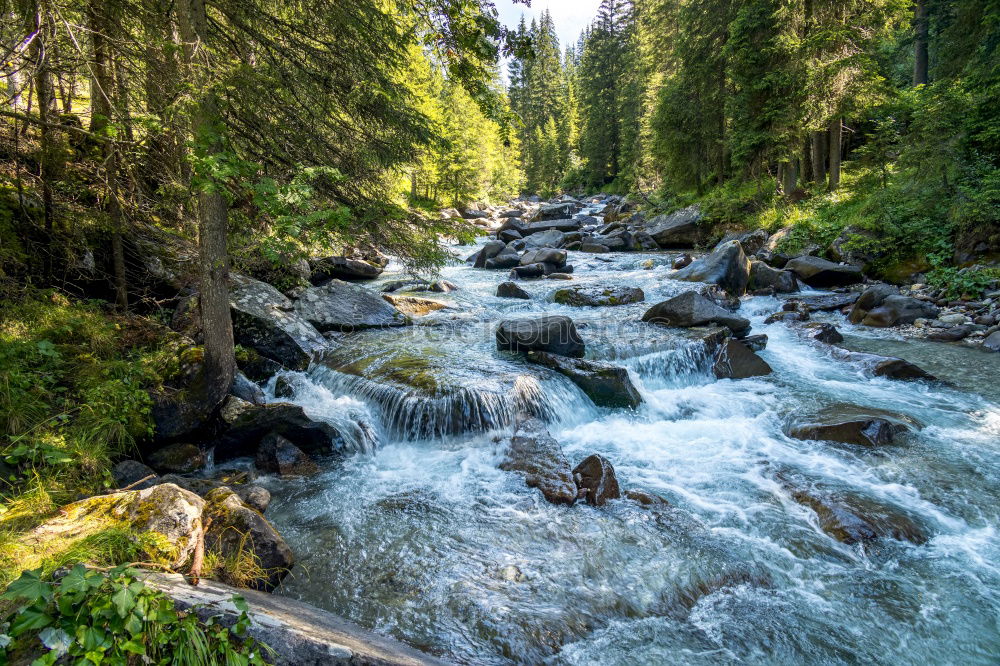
(266, 321)
(596, 480)
(692, 309)
(599, 296)
(820, 273)
(851, 519)
(679, 229)
(763, 276)
(342, 306)
(549, 225)
(557, 211)
(547, 333)
(870, 299)
(507, 258)
(605, 384)
(752, 242)
(734, 360)
(873, 431)
(488, 251)
(511, 290)
(550, 238)
(247, 424)
(545, 255)
(727, 266)
(533, 452)
(896, 310)
(342, 268)
(239, 530)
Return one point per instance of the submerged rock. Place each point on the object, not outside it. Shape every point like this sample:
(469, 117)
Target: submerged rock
(727, 266)
(596, 481)
(849, 424)
(533, 452)
(598, 296)
(821, 273)
(822, 332)
(511, 290)
(605, 384)
(276, 455)
(414, 306)
(734, 360)
(342, 306)
(548, 333)
(852, 519)
(693, 309)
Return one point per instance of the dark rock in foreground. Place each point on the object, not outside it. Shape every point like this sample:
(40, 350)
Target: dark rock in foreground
(342, 268)
(599, 296)
(276, 455)
(179, 458)
(692, 309)
(548, 333)
(734, 360)
(248, 424)
(533, 452)
(596, 481)
(823, 332)
(607, 385)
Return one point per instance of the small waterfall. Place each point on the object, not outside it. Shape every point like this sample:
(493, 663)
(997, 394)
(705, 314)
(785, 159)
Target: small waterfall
(682, 366)
(409, 414)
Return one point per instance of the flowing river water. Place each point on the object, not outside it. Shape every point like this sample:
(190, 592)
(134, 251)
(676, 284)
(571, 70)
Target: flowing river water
(420, 536)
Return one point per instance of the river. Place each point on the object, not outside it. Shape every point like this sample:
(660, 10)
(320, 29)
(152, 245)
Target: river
(420, 536)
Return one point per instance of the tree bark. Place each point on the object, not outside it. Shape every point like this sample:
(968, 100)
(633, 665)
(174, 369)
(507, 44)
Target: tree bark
(920, 39)
(790, 176)
(43, 88)
(836, 137)
(807, 166)
(220, 358)
(819, 157)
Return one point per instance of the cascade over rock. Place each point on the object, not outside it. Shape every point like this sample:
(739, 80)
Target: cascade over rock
(727, 266)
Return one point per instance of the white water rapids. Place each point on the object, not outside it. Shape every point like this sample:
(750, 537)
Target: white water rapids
(423, 538)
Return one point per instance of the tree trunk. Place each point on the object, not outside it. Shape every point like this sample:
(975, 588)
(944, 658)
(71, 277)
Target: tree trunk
(920, 33)
(790, 176)
(807, 166)
(46, 155)
(836, 136)
(213, 213)
(819, 157)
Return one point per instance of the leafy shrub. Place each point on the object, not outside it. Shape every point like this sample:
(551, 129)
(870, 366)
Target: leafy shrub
(90, 617)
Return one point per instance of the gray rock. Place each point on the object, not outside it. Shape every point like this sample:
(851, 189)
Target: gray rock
(237, 527)
(861, 430)
(128, 472)
(508, 258)
(682, 261)
(550, 238)
(548, 333)
(734, 360)
(511, 290)
(752, 242)
(823, 332)
(896, 310)
(596, 480)
(821, 273)
(693, 309)
(870, 299)
(179, 458)
(342, 306)
(763, 276)
(827, 302)
(679, 229)
(551, 225)
(594, 247)
(559, 211)
(605, 384)
(534, 453)
(546, 255)
(950, 334)
(489, 250)
(246, 425)
(443, 287)
(598, 296)
(992, 342)
(266, 321)
(508, 235)
(755, 343)
(246, 389)
(342, 268)
(727, 266)
(530, 271)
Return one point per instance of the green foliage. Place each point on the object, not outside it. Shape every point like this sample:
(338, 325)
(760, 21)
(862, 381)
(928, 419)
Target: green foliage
(74, 388)
(114, 618)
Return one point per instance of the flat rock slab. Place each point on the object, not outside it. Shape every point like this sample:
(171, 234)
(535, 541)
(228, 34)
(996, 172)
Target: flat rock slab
(598, 296)
(693, 309)
(605, 384)
(342, 306)
(537, 455)
(300, 634)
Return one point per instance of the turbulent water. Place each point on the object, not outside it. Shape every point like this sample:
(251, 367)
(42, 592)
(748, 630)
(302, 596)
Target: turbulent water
(421, 536)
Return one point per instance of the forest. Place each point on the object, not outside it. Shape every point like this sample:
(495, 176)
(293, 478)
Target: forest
(235, 279)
